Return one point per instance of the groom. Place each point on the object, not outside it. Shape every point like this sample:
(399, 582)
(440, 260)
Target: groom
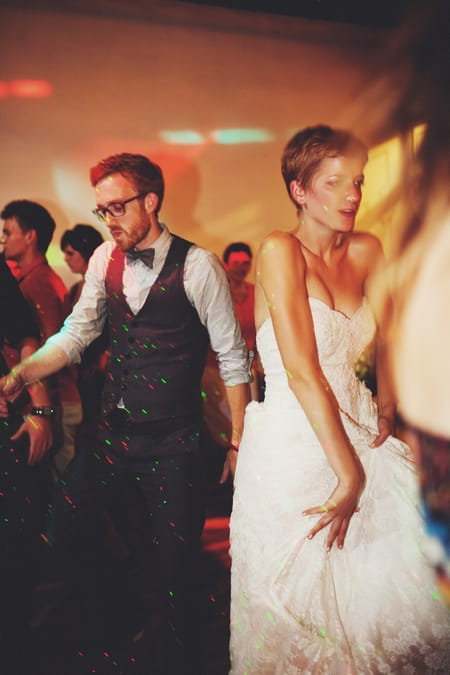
(164, 299)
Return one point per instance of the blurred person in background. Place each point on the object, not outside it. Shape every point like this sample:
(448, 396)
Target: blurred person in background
(25, 438)
(237, 260)
(78, 244)
(28, 229)
(412, 89)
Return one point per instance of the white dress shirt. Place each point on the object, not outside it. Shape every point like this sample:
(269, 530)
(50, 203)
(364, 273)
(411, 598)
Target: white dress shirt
(206, 287)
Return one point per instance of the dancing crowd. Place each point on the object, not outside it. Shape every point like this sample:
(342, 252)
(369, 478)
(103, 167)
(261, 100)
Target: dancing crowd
(339, 527)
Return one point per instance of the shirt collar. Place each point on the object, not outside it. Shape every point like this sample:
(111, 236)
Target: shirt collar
(163, 238)
(24, 271)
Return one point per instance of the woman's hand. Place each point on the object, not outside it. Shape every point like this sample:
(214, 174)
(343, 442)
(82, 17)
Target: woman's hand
(385, 429)
(338, 510)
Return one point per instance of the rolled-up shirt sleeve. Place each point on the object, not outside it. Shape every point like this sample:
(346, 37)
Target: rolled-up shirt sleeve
(207, 287)
(88, 316)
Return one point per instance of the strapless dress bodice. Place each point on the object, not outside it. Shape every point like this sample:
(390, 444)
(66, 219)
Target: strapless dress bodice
(340, 342)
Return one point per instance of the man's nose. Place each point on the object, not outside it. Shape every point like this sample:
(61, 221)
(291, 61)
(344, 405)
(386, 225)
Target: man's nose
(109, 218)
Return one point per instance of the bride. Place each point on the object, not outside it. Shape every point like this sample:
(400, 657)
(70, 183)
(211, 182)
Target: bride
(328, 575)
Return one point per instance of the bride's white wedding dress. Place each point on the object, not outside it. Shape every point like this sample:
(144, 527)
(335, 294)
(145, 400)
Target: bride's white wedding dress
(371, 607)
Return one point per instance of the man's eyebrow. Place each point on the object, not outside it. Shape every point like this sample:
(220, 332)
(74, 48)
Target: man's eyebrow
(112, 201)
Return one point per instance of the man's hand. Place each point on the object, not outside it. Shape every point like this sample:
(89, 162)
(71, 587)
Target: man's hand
(229, 466)
(3, 407)
(12, 384)
(385, 429)
(39, 430)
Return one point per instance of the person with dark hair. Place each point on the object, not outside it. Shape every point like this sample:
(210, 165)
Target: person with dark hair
(236, 247)
(78, 245)
(25, 438)
(82, 239)
(27, 231)
(26, 218)
(164, 299)
(237, 259)
(328, 574)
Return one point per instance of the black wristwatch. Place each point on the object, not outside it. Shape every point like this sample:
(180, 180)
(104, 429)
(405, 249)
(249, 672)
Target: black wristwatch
(44, 411)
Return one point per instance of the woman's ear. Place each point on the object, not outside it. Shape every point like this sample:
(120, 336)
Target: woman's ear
(297, 192)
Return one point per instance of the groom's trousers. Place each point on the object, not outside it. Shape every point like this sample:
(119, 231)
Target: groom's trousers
(164, 467)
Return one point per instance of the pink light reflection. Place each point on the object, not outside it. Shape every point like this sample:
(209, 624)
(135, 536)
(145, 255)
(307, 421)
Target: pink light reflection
(28, 88)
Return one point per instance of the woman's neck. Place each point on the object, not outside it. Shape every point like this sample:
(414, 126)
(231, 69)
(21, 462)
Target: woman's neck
(322, 245)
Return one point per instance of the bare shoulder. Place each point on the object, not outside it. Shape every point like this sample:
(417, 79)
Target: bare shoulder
(366, 250)
(365, 242)
(280, 268)
(278, 244)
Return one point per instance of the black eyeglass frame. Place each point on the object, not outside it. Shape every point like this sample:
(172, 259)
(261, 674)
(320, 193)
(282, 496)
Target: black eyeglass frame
(102, 211)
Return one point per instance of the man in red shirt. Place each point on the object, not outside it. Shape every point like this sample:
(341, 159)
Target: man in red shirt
(27, 231)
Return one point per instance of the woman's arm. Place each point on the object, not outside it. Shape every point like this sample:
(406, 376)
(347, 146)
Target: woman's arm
(281, 272)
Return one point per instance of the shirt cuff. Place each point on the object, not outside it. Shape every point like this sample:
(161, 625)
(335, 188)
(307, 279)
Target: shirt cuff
(236, 371)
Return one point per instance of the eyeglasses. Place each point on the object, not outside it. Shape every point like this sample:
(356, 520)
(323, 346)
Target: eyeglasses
(115, 209)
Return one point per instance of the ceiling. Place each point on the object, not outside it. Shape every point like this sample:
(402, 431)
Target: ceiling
(379, 14)
(368, 13)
